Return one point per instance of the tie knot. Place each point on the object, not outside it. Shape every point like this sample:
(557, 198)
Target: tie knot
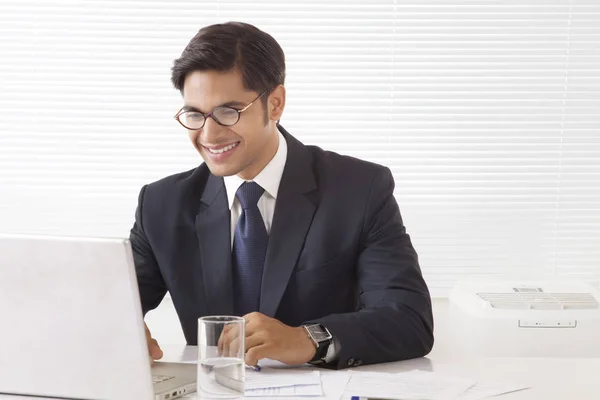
(249, 193)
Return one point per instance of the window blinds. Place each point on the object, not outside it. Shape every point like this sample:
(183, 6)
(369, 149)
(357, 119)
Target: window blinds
(487, 113)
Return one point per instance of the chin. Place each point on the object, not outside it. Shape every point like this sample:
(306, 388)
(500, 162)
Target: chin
(222, 170)
(219, 169)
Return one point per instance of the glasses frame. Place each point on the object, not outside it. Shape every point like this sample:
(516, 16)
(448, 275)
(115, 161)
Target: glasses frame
(211, 114)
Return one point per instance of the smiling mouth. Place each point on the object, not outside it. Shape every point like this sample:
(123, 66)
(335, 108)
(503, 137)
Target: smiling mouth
(222, 149)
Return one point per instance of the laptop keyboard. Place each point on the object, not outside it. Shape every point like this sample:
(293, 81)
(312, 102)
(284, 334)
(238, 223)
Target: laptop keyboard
(161, 378)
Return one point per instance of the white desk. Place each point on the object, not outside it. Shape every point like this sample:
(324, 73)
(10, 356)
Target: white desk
(549, 378)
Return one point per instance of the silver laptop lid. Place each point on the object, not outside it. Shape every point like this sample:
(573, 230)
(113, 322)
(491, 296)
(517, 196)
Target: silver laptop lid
(71, 320)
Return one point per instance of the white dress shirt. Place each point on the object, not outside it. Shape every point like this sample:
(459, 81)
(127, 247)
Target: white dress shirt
(269, 179)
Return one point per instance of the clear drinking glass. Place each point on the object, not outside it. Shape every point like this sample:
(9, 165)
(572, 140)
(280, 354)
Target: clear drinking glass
(221, 371)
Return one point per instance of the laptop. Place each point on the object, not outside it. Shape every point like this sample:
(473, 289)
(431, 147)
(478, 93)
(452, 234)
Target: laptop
(72, 324)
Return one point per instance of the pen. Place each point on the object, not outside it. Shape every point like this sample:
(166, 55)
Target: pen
(368, 398)
(256, 367)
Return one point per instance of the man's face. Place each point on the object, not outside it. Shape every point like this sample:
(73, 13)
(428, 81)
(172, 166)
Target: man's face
(242, 149)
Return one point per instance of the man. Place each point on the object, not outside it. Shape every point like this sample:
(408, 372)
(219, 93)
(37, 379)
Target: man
(307, 245)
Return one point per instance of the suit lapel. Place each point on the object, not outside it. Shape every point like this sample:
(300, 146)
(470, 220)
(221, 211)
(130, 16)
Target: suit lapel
(294, 211)
(214, 239)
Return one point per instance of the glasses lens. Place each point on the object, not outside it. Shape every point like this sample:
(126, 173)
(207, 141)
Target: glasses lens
(226, 115)
(192, 119)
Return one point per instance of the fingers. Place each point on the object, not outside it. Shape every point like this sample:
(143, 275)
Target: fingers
(257, 353)
(254, 322)
(254, 340)
(256, 337)
(148, 335)
(234, 349)
(267, 337)
(222, 341)
(229, 342)
(231, 346)
(155, 351)
(153, 348)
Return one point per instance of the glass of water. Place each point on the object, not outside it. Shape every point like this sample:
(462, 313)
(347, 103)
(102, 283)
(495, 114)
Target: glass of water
(221, 351)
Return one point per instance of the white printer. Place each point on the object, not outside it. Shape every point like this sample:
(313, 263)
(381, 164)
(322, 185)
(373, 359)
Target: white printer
(509, 318)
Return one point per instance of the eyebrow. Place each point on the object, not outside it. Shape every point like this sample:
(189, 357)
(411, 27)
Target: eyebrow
(227, 104)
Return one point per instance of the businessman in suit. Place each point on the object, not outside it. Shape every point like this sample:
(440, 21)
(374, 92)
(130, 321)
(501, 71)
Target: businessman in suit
(308, 245)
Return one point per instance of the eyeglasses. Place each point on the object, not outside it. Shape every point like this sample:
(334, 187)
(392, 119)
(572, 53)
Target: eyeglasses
(225, 116)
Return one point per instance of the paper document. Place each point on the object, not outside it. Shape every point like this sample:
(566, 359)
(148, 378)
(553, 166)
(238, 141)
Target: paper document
(292, 391)
(481, 390)
(405, 386)
(281, 382)
(484, 391)
(278, 378)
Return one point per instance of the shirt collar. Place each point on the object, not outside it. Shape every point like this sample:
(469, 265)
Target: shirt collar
(269, 178)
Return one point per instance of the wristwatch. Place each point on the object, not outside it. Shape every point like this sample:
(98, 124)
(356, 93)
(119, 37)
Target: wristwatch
(322, 339)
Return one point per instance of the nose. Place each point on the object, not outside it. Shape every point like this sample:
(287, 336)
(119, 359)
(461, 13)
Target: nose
(210, 130)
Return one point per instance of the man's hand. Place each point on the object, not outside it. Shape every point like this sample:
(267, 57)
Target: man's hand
(268, 338)
(153, 347)
(229, 344)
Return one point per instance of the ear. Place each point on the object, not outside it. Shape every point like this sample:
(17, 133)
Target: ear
(276, 103)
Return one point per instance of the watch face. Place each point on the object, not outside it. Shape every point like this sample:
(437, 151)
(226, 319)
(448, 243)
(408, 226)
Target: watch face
(318, 333)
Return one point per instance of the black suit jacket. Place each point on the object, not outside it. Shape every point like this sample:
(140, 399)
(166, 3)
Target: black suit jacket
(338, 255)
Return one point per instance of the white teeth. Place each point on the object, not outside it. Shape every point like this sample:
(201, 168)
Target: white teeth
(224, 149)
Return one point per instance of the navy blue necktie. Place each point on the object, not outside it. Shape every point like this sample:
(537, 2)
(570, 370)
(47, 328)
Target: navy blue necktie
(249, 250)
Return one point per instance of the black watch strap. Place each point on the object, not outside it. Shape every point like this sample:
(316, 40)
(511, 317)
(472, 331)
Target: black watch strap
(321, 352)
